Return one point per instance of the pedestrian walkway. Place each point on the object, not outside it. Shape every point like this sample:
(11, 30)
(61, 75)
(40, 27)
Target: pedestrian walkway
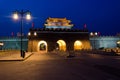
(41, 56)
(14, 56)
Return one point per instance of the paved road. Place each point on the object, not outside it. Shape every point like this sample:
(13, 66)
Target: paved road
(42, 66)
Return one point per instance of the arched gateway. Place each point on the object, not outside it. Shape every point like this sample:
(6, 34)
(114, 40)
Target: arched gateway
(57, 34)
(78, 45)
(42, 46)
(61, 45)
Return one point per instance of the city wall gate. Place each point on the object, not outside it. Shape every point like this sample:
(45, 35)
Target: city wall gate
(58, 40)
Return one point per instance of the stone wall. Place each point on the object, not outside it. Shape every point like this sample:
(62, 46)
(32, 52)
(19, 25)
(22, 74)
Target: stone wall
(13, 43)
(104, 41)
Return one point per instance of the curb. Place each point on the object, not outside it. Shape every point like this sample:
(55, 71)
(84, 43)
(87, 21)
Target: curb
(27, 57)
(17, 59)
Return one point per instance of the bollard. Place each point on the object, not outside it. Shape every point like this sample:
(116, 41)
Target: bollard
(23, 54)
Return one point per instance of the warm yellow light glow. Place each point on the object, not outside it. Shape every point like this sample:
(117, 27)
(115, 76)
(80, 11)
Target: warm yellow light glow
(29, 34)
(91, 34)
(38, 47)
(15, 16)
(118, 42)
(62, 45)
(28, 16)
(77, 45)
(59, 43)
(35, 34)
(1, 44)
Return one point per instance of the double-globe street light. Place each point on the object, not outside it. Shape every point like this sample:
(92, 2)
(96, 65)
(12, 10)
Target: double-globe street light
(20, 15)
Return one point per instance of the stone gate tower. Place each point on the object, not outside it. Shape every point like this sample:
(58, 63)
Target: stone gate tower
(58, 35)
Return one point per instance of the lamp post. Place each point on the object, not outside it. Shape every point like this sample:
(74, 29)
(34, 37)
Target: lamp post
(16, 15)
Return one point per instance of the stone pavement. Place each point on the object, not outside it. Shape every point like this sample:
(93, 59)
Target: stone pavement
(14, 56)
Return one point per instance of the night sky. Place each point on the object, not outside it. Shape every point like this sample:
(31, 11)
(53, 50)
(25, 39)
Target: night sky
(100, 15)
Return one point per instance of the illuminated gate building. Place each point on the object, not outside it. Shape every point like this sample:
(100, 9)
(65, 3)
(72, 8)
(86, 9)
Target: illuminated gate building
(58, 34)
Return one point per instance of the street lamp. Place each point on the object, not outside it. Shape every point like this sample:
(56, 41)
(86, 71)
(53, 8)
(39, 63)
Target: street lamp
(16, 15)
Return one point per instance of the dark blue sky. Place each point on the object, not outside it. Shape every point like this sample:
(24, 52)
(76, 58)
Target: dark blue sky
(99, 15)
